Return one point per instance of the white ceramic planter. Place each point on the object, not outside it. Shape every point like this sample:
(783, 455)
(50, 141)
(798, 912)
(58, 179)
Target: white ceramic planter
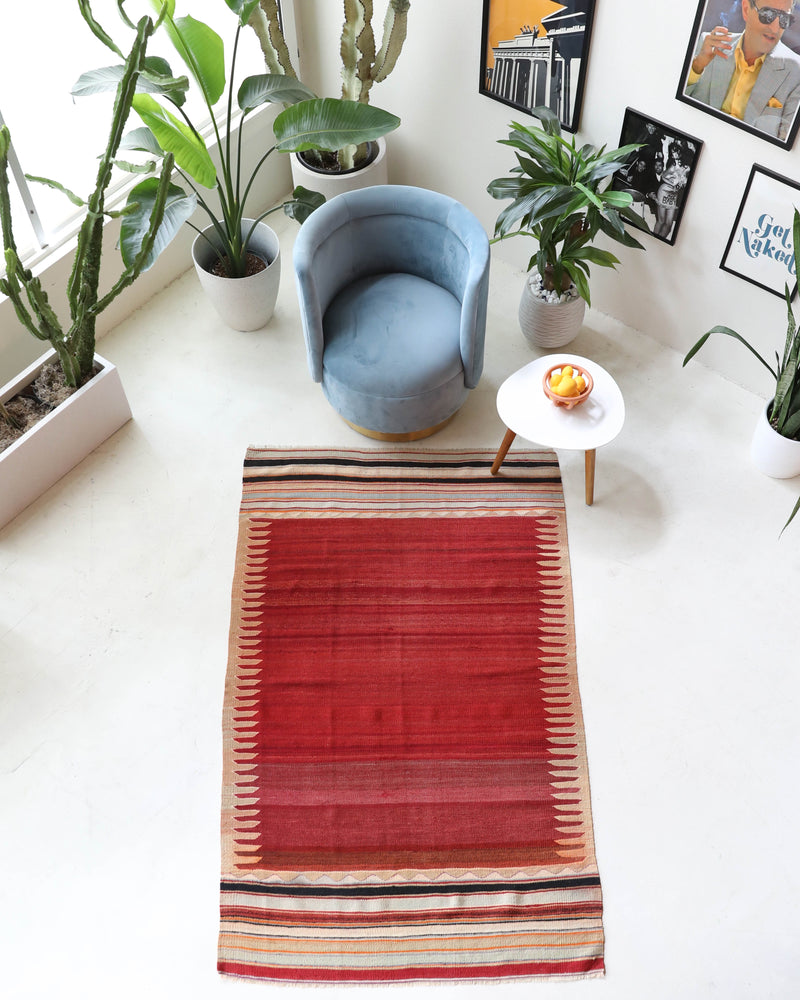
(772, 453)
(549, 324)
(242, 303)
(62, 439)
(330, 185)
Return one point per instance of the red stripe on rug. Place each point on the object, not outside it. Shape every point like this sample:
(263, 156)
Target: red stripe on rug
(507, 970)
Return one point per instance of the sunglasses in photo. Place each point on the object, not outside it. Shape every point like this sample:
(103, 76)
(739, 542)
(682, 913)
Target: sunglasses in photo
(767, 15)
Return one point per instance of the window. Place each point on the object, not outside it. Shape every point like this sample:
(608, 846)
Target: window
(57, 136)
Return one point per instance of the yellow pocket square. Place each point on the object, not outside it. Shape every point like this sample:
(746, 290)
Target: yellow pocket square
(774, 103)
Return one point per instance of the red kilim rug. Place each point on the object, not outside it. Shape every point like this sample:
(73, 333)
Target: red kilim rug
(405, 795)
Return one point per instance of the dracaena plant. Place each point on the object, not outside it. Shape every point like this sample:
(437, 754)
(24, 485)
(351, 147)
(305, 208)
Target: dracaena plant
(74, 343)
(363, 64)
(306, 122)
(560, 198)
(784, 410)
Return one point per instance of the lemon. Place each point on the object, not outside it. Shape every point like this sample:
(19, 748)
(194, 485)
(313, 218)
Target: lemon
(565, 387)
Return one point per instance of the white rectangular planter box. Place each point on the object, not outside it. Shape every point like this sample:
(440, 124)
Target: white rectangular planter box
(62, 439)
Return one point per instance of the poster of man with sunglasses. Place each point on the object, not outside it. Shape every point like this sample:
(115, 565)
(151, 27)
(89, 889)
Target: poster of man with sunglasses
(743, 65)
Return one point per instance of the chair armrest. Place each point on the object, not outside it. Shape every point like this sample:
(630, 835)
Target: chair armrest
(474, 306)
(310, 309)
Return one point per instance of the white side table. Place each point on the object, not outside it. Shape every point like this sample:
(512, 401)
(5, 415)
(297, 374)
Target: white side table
(525, 410)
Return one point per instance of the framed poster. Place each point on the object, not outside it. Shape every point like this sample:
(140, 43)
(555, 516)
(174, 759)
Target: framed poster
(659, 174)
(760, 247)
(728, 39)
(534, 53)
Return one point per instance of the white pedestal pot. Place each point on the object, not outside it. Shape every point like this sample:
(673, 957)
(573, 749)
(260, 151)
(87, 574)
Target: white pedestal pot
(331, 184)
(242, 303)
(772, 453)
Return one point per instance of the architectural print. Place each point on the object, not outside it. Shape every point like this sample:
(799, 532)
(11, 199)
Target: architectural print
(540, 61)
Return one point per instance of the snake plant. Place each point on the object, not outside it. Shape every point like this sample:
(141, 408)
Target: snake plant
(784, 410)
(560, 197)
(362, 63)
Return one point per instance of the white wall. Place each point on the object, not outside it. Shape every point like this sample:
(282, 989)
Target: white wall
(447, 142)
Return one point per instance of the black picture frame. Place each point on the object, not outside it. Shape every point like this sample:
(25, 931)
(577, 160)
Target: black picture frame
(528, 62)
(760, 248)
(771, 112)
(658, 175)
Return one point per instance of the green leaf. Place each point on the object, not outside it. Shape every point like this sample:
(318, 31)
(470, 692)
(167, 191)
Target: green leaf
(96, 28)
(100, 81)
(273, 87)
(142, 140)
(510, 187)
(202, 50)
(791, 516)
(136, 168)
(726, 331)
(243, 9)
(330, 124)
(136, 222)
(791, 426)
(589, 195)
(581, 283)
(177, 138)
(619, 199)
(303, 203)
(167, 5)
(47, 182)
(594, 255)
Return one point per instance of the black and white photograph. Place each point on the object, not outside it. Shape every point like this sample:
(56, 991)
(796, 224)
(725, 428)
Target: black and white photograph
(760, 247)
(534, 54)
(659, 174)
(742, 65)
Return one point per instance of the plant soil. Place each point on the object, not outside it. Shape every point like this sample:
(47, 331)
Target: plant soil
(327, 162)
(34, 402)
(253, 265)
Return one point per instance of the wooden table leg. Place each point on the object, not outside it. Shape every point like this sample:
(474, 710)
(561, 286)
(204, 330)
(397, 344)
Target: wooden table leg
(508, 440)
(589, 464)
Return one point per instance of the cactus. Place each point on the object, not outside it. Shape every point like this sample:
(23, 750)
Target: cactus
(75, 346)
(265, 21)
(362, 66)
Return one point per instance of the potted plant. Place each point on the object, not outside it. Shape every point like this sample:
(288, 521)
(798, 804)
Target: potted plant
(95, 405)
(355, 164)
(233, 246)
(560, 197)
(775, 448)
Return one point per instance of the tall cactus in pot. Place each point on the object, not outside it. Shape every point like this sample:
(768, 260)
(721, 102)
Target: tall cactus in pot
(167, 206)
(362, 64)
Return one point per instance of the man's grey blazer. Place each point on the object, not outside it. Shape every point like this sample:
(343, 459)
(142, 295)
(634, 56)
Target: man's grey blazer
(779, 78)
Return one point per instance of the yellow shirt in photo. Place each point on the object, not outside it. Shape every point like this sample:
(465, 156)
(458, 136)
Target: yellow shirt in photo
(741, 85)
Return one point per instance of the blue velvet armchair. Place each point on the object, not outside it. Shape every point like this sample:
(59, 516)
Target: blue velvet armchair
(393, 285)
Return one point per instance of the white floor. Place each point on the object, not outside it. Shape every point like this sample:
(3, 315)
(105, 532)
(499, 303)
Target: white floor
(114, 606)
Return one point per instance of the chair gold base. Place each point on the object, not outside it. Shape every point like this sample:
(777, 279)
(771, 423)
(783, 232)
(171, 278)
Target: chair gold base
(408, 436)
